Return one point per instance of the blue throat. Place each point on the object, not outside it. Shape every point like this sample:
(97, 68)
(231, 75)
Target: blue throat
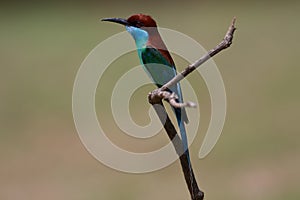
(140, 36)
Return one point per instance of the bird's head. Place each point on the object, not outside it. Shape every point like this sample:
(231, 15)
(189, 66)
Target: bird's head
(140, 26)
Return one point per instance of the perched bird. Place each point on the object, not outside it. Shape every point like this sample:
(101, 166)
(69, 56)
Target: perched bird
(156, 60)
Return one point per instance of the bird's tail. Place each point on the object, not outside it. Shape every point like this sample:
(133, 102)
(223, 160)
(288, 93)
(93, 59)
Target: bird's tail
(182, 130)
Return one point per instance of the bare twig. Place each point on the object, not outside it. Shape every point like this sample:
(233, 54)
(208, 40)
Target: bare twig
(175, 104)
(156, 97)
(225, 43)
(171, 98)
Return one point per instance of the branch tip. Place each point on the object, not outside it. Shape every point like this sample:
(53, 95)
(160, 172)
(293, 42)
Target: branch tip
(233, 21)
(191, 104)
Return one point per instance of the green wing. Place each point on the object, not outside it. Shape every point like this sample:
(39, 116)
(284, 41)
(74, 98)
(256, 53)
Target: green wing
(157, 67)
(161, 71)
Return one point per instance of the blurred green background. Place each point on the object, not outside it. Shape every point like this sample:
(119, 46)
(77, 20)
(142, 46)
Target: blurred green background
(42, 46)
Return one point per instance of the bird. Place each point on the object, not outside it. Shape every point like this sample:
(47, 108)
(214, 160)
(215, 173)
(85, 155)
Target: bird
(156, 61)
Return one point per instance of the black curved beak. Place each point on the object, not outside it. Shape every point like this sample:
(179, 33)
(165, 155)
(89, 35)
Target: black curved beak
(117, 20)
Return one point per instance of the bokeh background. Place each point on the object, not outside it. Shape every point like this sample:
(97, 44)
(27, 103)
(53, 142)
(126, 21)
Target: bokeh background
(42, 45)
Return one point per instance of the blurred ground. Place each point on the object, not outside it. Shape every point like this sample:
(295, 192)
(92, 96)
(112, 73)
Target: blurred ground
(42, 47)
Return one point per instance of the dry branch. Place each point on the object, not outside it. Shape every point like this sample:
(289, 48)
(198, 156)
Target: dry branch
(156, 97)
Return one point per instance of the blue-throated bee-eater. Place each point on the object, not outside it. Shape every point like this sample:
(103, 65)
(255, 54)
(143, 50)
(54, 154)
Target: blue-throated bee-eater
(156, 60)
